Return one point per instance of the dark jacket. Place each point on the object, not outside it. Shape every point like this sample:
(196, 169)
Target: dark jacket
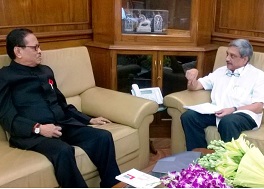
(29, 95)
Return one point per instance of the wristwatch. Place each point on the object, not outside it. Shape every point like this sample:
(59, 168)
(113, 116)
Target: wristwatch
(36, 128)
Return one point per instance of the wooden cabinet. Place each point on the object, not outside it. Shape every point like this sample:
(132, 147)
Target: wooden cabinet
(105, 60)
(155, 72)
(120, 59)
(191, 38)
(107, 23)
(197, 16)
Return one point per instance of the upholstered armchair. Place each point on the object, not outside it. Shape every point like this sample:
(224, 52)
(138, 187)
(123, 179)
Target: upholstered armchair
(177, 100)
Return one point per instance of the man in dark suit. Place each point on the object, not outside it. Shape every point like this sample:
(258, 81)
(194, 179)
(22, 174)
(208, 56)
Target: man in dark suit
(35, 114)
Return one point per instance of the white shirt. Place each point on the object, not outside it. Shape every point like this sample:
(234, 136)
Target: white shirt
(243, 89)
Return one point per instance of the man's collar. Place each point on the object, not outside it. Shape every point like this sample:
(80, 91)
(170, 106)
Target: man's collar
(16, 65)
(236, 72)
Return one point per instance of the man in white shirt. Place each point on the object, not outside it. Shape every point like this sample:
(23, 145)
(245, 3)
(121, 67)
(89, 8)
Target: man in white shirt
(237, 89)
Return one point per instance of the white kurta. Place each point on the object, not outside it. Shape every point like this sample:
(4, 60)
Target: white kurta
(245, 87)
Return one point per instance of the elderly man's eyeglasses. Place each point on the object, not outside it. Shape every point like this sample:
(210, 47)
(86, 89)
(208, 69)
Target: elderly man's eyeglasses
(36, 47)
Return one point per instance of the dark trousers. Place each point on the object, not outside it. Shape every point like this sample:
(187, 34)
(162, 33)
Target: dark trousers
(97, 143)
(230, 126)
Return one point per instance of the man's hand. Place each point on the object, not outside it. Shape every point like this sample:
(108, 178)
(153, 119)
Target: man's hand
(99, 121)
(191, 75)
(50, 130)
(193, 84)
(224, 112)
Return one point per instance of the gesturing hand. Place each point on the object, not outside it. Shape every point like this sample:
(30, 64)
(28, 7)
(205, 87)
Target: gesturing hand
(191, 75)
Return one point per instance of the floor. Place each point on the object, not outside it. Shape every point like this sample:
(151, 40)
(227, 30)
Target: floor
(162, 146)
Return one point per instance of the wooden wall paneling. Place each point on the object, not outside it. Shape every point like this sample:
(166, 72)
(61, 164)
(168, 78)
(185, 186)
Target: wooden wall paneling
(45, 15)
(239, 19)
(104, 20)
(236, 14)
(208, 62)
(205, 21)
(241, 15)
(101, 63)
(51, 21)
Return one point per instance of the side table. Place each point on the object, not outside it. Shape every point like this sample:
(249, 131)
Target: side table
(203, 151)
(151, 146)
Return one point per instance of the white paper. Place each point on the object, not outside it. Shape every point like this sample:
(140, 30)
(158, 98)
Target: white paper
(205, 108)
(138, 179)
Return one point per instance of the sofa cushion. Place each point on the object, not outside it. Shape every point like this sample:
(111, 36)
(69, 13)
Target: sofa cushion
(126, 138)
(126, 141)
(256, 60)
(73, 62)
(13, 172)
(211, 133)
(3, 136)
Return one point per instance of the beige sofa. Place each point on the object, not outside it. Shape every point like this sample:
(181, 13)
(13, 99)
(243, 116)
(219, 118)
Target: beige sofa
(131, 117)
(175, 102)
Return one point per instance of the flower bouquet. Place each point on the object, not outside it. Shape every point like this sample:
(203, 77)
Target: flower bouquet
(238, 161)
(250, 171)
(194, 176)
(233, 164)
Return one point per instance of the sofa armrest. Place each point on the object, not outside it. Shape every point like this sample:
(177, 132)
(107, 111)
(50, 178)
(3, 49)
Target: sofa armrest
(117, 106)
(175, 103)
(186, 98)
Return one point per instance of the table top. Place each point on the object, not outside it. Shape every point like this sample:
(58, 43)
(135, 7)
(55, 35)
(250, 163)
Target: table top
(155, 174)
(203, 151)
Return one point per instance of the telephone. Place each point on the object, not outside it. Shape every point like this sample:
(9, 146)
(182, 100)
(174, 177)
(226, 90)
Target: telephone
(152, 93)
